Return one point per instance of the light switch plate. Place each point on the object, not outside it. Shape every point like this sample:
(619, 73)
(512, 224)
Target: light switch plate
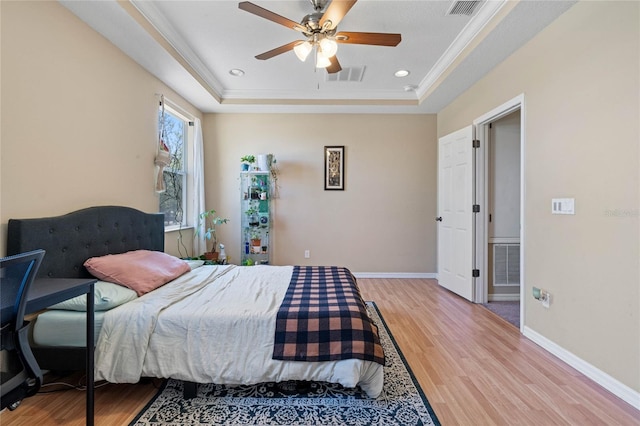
(563, 205)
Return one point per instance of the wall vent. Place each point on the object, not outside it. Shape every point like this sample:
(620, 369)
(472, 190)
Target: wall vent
(352, 74)
(463, 7)
(506, 264)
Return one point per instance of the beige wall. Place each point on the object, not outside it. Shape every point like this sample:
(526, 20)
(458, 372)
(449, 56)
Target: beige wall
(382, 222)
(580, 77)
(79, 124)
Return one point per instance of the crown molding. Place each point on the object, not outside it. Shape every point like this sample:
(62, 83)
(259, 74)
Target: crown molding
(487, 17)
(178, 47)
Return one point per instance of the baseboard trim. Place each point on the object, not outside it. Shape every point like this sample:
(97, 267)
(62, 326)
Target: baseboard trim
(611, 384)
(394, 275)
(503, 297)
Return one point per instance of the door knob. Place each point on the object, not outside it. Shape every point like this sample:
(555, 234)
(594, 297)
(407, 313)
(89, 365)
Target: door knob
(439, 219)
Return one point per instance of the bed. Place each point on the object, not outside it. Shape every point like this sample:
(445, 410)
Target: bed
(220, 324)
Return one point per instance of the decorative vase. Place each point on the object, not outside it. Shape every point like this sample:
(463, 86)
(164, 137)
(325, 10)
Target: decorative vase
(244, 167)
(263, 162)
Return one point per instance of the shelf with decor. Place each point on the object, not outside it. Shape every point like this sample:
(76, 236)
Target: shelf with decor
(255, 214)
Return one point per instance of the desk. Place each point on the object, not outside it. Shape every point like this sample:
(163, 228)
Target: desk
(45, 292)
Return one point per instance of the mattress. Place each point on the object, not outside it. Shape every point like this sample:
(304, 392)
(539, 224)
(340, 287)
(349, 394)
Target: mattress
(65, 328)
(215, 324)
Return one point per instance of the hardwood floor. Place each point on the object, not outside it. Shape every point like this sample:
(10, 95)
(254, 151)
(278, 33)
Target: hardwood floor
(474, 367)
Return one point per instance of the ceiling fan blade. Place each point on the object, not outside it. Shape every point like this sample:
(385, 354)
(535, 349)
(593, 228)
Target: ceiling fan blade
(278, 50)
(335, 65)
(336, 11)
(377, 39)
(271, 16)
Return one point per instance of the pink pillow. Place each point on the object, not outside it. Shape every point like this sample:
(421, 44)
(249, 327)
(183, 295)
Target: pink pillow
(140, 270)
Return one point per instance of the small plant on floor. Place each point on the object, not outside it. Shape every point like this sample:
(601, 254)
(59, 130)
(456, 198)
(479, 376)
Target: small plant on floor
(207, 229)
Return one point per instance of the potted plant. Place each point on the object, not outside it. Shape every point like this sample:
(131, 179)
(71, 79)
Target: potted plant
(207, 228)
(256, 241)
(252, 216)
(247, 161)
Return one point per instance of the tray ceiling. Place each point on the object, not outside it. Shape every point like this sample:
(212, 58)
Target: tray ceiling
(192, 46)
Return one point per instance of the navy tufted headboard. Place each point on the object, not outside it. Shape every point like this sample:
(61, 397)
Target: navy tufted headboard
(72, 238)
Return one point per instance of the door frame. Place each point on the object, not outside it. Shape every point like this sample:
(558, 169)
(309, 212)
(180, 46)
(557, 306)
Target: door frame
(481, 125)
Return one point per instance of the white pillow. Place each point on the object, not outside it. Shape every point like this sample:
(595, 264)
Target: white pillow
(193, 264)
(106, 296)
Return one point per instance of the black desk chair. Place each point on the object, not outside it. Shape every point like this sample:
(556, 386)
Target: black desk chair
(21, 376)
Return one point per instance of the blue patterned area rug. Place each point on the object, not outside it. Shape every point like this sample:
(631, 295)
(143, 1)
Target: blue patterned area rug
(402, 401)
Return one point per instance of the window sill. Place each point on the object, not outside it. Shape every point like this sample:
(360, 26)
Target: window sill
(175, 228)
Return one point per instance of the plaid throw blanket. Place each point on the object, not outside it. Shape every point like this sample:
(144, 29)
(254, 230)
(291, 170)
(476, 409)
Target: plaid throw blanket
(323, 318)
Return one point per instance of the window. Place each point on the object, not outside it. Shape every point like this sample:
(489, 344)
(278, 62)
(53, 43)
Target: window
(174, 129)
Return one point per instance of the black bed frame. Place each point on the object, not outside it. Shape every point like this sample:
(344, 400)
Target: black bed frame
(71, 239)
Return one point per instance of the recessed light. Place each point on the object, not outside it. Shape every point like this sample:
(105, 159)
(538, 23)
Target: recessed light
(236, 72)
(401, 73)
(410, 88)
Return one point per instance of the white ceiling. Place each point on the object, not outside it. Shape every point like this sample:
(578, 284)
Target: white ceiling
(192, 46)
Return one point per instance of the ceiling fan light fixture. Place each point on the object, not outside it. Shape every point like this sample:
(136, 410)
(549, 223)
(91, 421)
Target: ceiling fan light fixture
(320, 29)
(302, 50)
(329, 47)
(322, 61)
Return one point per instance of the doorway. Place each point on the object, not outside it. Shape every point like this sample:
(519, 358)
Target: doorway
(503, 209)
(499, 226)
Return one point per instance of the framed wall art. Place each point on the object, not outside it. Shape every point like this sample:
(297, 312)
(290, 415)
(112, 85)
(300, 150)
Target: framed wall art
(334, 168)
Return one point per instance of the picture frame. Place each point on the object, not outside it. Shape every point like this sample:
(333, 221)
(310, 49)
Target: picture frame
(334, 171)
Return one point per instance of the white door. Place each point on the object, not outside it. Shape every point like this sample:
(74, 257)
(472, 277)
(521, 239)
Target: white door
(455, 212)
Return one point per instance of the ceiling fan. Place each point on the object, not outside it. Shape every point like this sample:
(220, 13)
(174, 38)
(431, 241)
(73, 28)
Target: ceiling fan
(320, 30)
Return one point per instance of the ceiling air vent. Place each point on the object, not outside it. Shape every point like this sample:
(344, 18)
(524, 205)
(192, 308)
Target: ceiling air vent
(463, 7)
(347, 74)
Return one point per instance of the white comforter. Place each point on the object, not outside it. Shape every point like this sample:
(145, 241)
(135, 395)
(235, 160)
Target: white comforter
(215, 324)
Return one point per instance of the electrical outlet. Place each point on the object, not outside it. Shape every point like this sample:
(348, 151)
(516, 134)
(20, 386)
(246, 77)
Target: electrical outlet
(545, 298)
(307, 254)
